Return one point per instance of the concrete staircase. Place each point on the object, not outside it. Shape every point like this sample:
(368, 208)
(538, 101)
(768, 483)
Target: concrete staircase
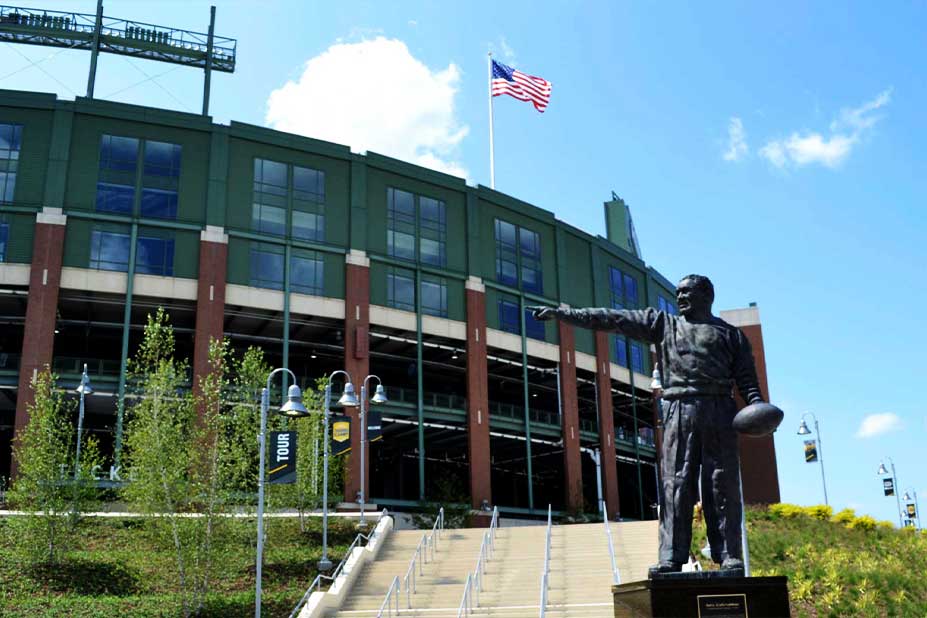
(580, 571)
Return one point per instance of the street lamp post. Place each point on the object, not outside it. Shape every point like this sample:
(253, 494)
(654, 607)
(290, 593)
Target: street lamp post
(379, 396)
(882, 472)
(292, 408)
(83, 389)
(347, 400)
(917, 507)
(804, 431)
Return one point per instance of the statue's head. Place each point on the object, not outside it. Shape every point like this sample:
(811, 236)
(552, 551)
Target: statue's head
(694, 296)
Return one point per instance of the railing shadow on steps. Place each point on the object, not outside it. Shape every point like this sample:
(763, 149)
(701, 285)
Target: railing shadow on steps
(317, 582)
(545, 574)
(474, 584)
(616, 574)
(420, 556)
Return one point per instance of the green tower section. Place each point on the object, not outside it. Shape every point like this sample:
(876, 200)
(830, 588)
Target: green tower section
(619, 226)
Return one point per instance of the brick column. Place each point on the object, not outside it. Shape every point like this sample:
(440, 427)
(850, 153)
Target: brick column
(572, 456)
(478, 450)
(356, 358)
(210, 298)
(758, 467)
(603, 383)
(41, 309)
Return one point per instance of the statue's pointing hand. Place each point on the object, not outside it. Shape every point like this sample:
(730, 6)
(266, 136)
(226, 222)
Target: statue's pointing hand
(542, 314)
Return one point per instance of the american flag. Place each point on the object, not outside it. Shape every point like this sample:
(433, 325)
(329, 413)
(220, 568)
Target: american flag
(524, 87)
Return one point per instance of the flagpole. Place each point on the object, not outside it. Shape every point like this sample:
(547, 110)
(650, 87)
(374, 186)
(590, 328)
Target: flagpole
(492, 157)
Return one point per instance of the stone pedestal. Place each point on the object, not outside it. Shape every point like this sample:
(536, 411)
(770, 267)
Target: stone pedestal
(703, 595)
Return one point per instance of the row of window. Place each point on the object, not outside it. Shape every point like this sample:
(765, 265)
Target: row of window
(510, 321)
(132, 168)
(664, 304)
(10, 141)
(153, 255)
(307, 270)
(518, 257)
(288, 200)
(400, 292)
(416, 228)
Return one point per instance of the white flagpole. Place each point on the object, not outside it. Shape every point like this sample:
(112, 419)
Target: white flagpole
(492, 161)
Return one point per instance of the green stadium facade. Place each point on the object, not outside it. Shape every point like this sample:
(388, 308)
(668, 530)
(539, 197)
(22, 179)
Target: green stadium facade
(327, 259)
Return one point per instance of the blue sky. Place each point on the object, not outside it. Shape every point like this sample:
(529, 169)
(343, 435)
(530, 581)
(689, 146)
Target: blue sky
(779, 148)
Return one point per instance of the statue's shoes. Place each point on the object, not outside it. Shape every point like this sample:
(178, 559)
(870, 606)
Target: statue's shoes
(732, 566)
(665, 567)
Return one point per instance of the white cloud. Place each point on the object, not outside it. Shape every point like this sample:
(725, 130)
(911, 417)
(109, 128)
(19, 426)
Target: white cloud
(374, 95)
(809, 147)
(878, 424)
(736, 140)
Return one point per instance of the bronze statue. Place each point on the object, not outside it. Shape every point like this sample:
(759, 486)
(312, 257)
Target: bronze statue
(704, 357)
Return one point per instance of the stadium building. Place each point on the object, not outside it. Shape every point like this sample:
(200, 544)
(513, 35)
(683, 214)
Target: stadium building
(329, 259)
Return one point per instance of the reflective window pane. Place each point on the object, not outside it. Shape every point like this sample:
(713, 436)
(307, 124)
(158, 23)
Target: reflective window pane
(154, 256)
(434, 298)
(10, 138)
(308, 226)
(621, 351)
(109, 251)
(268, 219)
(266, 269)
(119, 153)
(306, 274)
(162, 159)
(637, 357)
(158, 203)
(533, 328)
(4, 236)
(508, 317)
(115, 198)
(400, 290)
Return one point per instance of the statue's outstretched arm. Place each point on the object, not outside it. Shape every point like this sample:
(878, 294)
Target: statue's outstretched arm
(646, 325)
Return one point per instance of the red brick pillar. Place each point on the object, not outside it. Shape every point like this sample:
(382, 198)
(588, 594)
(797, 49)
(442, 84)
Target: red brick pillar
(41, 309)
(478, 449)
(758, 467)
(210, 298)
(603, 384)
(356, 359)
(758, 455)
(572, 456)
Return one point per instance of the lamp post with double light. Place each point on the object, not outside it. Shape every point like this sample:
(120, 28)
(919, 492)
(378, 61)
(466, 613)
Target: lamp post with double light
(292, 408)
(379, 396)
(917, 507)
(882, 472)
(347, 400)
(804, 431)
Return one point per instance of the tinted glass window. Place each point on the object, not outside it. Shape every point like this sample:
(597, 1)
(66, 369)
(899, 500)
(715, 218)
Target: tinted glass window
(434, 298)
(159, 203)
(4, 235)
(155, 256)
(119, 153)
(508, 317)
(162, 159)
(621, 351)
(400, 289)
(400, 224)
(10, 139)
(266, 269)
(306, 274)
(308, 226)
(109, 251)
(533, 328)
(637, 357)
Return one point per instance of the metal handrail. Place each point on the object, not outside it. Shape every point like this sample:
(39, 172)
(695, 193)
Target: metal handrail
(386, 605)
(616, 574)
(466, 605)
(317, 582)
(420, 556)
(545, 574)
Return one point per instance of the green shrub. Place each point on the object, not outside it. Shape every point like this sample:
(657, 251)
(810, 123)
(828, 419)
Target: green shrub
(863, 522)
(845, 516)
(885, 525)
(819, 512)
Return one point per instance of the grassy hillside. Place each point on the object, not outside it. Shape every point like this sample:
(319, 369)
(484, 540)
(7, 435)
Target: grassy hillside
(838, 565)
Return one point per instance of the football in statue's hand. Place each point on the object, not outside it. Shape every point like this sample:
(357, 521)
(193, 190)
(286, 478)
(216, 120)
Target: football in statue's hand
(758, 419)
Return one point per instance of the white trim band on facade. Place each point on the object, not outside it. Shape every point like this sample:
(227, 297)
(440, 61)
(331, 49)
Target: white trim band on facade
(405, 320)
(51, 216)
(475, 284)
(214, 233)
(357, 258)
(15, 274)
(748, 316)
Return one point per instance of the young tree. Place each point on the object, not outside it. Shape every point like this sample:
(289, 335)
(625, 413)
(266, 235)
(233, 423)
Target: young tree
(45, 486)
(163, 441)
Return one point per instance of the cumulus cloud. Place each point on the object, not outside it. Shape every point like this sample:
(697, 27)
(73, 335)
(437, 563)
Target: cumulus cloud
(846, 131)
(878, 424)
(374, 95)
(736, 140)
